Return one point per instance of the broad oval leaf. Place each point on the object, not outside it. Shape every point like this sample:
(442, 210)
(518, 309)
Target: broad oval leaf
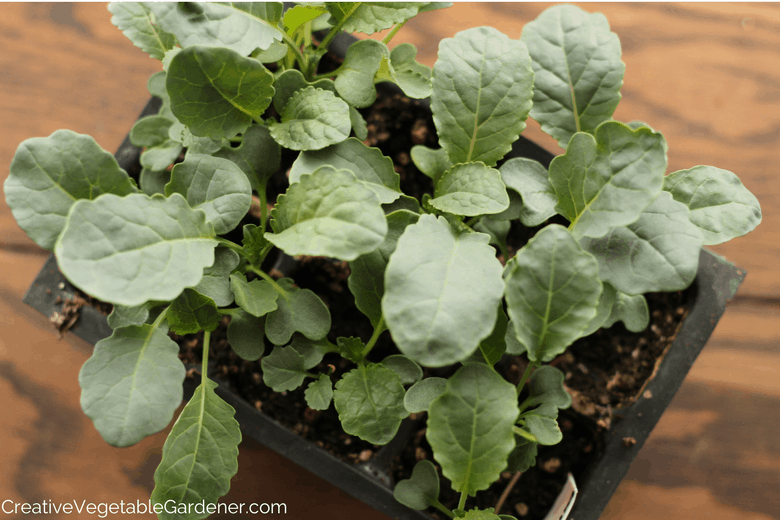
(421, 394)
(312, 351)
(607, 180)
(658, 252)
(552, 292)
(216, 279)
(241, 27)
(200, 455)
(291, 81)
(545, 429)
(150, 131)
(312, 119)
(319, 393)
(577, 70)
(407, 370)
(328, 213)
(441, 292)
(134, 249)
(631, 310)
(299, 310)
(245, 335)
(49, 174)
(471, 189)
(546, 386)
(370, 403)
(482, 90)
(413, 77)
(432, 163)
(283, 369)
(370, 17)
(470, 427)
(216, 186)
(529, 178)
(258, 156)
(135, 21)
(132, 384)
(368, 164)
(192, 312)
(523, 456)
(720, 206)
(355, 80)
(421, 490)
(216, 92)
(159, 157)
(257, 297)
(122, 316)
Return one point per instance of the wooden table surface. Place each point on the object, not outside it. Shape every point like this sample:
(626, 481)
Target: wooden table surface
(706, 75)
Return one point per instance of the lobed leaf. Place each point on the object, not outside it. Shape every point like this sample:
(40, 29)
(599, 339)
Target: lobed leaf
(253, 243)
(546, 386)
(404, 70)
(545, 429)
(312, 119)
(134, 249)
(299, 310)
(523, 456)
(216, 279)
(421, 490)
(432, 163)
(245, 335)
(470, 189)
(49, 174)
(482, 89)
(257, 297)
(283, 369)
(371, 17)
(298, 15)
(355, 80)
(631, 310)
(132, 384)
(192, 312)
(123, 316)
(350, 348)
(135, 21)
(529, 178)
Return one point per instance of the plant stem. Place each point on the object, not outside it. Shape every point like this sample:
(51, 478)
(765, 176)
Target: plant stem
(438, 505)
(160, 318)
(378, 330)
(204, 362)
(473, 220)
(393, 32)
(229, 312)
(525, 377)
(524, 434)
(462, 502)
(263, 208)
(322, 48)
(302, 62)
(232, 245)
(267, 278)
(506, 492)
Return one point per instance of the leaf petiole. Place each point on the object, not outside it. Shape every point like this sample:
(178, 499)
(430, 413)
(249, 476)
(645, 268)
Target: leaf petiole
(204, 362)
(462, 502)
(524, 379)
(522, 433)
(160, 318)
(438, 505)
(267, 278)
(378, 330)
(393, 32)
(232, 245)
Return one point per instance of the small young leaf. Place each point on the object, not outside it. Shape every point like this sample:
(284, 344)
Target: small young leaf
(135, 21)
(430, 275)
(283, 369)
(545, 429)
(258, 156)
(631, 310)
(328, 213)
(152, 182)
(194, 144)
(132, 384)
(432, 163)
(272, 54)
(216, 279)
(421, 394)
(482, 89)
(48, 174)
(370, 403)
(200, 455)
(546, 386)
(658, 252)
(291, 81)
(371, 17)
(470, 427)
(319, 393)
(158, 158)
(355, 81)
(552, 292)
(413, 77)
(606, 302)
(245, 335)
(529, 178)
(166, 242)
(368, 164)
(577, 67)
(257, 297)
(407, 370)
(150, 131)
(607, 180)
(239, 27)
(471, 189)
(192, 312)
(312, 119)
(216, 186)
(299, 311)
(253, 243)
(497, 230)
(720, 206)
(216, 92)
(350, 348)
(523, 456)
(122, 316)
(312, 352)
(421, 490)
(299, 15)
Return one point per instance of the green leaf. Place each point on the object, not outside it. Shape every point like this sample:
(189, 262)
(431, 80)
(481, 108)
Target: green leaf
(371, 17)
(200, 455)
(132, 384)
(607, 180)
(432, 163)
(367, 272)
(49, 174)
(312, 119)
(421, 394)
(156, 87)
(355, 80)
(529, 178)
(482, 89)
(192, 312)
(523, 457)
(492, 348)
(658, 252)
(253, 243)
(403, 70)
(430, 275)
(257, 297)
(350, 348)
(407, 370)
(470, 427)
(152, 182)
(369, 165)
(272, 54)
(216, 92)
(150, 131)
(545, 429)
(720, 206)
(552, 292)
(194, 144)
(328, 213)
(299, 15)
(631, 310)
(319, 393)
(546, 386)
(404, 202)
(421, 490)
(128, 250)
(291, 81)
(283, 369)
(358, 124)
(311, 351)
(513, 345)
(135, 21)
(299, 310)
(241, 27)
(216, 282)
(485, 514)
(123, 316)
(577, 67)
(606, 302)
(158, 158)
(370, 403)
(471, 189)
(216, 186)
(245, 335)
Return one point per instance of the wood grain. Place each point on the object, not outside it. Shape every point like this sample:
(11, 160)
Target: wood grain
(706, 75)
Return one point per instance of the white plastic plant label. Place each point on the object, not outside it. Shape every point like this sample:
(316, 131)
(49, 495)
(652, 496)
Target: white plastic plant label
(565, 501)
